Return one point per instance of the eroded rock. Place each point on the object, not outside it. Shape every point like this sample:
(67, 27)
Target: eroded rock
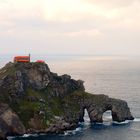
(37, 95)
(10, 123)
(119, 108)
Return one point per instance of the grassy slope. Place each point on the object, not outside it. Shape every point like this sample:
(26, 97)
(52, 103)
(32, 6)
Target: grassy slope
(53, 106)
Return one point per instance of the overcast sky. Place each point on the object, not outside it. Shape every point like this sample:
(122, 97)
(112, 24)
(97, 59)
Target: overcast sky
(98, 27)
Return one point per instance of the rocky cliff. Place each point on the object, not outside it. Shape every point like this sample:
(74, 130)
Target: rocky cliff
(33, 100)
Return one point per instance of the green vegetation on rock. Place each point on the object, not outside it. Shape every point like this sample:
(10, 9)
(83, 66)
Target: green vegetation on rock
(47, 102)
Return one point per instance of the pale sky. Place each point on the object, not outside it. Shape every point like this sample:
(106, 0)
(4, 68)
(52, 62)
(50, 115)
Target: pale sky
(98, 27)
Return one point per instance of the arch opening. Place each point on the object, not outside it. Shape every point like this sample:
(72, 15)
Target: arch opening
(107, 117)
(86, 117)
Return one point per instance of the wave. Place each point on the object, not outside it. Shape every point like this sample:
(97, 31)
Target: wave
(24, 136)
(136, 120)
(125, 122)
(28, 135)
(82, 126)
(85, 125)
(10, 138)
(72, 132)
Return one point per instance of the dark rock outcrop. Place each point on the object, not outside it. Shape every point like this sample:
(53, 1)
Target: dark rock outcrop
(16, 78)
(119, 108)
(96, 105)
(9, 122)
(60, 126)
(42, 101)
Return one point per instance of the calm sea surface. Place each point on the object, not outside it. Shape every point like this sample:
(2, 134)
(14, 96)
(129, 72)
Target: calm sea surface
(114, 76)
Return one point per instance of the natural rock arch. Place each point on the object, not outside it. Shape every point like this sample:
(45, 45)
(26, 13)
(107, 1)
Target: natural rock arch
(119, 110)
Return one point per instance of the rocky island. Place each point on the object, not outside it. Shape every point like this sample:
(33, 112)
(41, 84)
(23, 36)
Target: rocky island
(35, 100)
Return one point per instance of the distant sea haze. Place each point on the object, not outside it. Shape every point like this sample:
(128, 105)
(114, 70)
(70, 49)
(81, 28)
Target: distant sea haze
(117, 77)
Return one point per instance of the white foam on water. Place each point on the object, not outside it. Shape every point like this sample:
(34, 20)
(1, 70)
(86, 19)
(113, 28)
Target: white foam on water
(72, 132)
(136, 120)
(26, 135)
(128, 121)
(84, 125)
(125, 122)
(107, 121)
(10, 138)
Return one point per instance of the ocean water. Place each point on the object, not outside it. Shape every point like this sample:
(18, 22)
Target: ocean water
(118, 77)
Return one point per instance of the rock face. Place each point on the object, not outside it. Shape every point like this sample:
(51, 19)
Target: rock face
(119, 108)
(96, 105)
(18, 77)
(42, 101)
(9, 122)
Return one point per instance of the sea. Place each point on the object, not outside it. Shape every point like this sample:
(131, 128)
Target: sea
(115, 76)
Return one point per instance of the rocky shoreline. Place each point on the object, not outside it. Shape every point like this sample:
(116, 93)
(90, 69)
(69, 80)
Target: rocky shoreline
(35, 100)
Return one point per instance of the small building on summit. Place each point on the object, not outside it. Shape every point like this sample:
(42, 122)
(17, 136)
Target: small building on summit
(22, 59)
(25, 59)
